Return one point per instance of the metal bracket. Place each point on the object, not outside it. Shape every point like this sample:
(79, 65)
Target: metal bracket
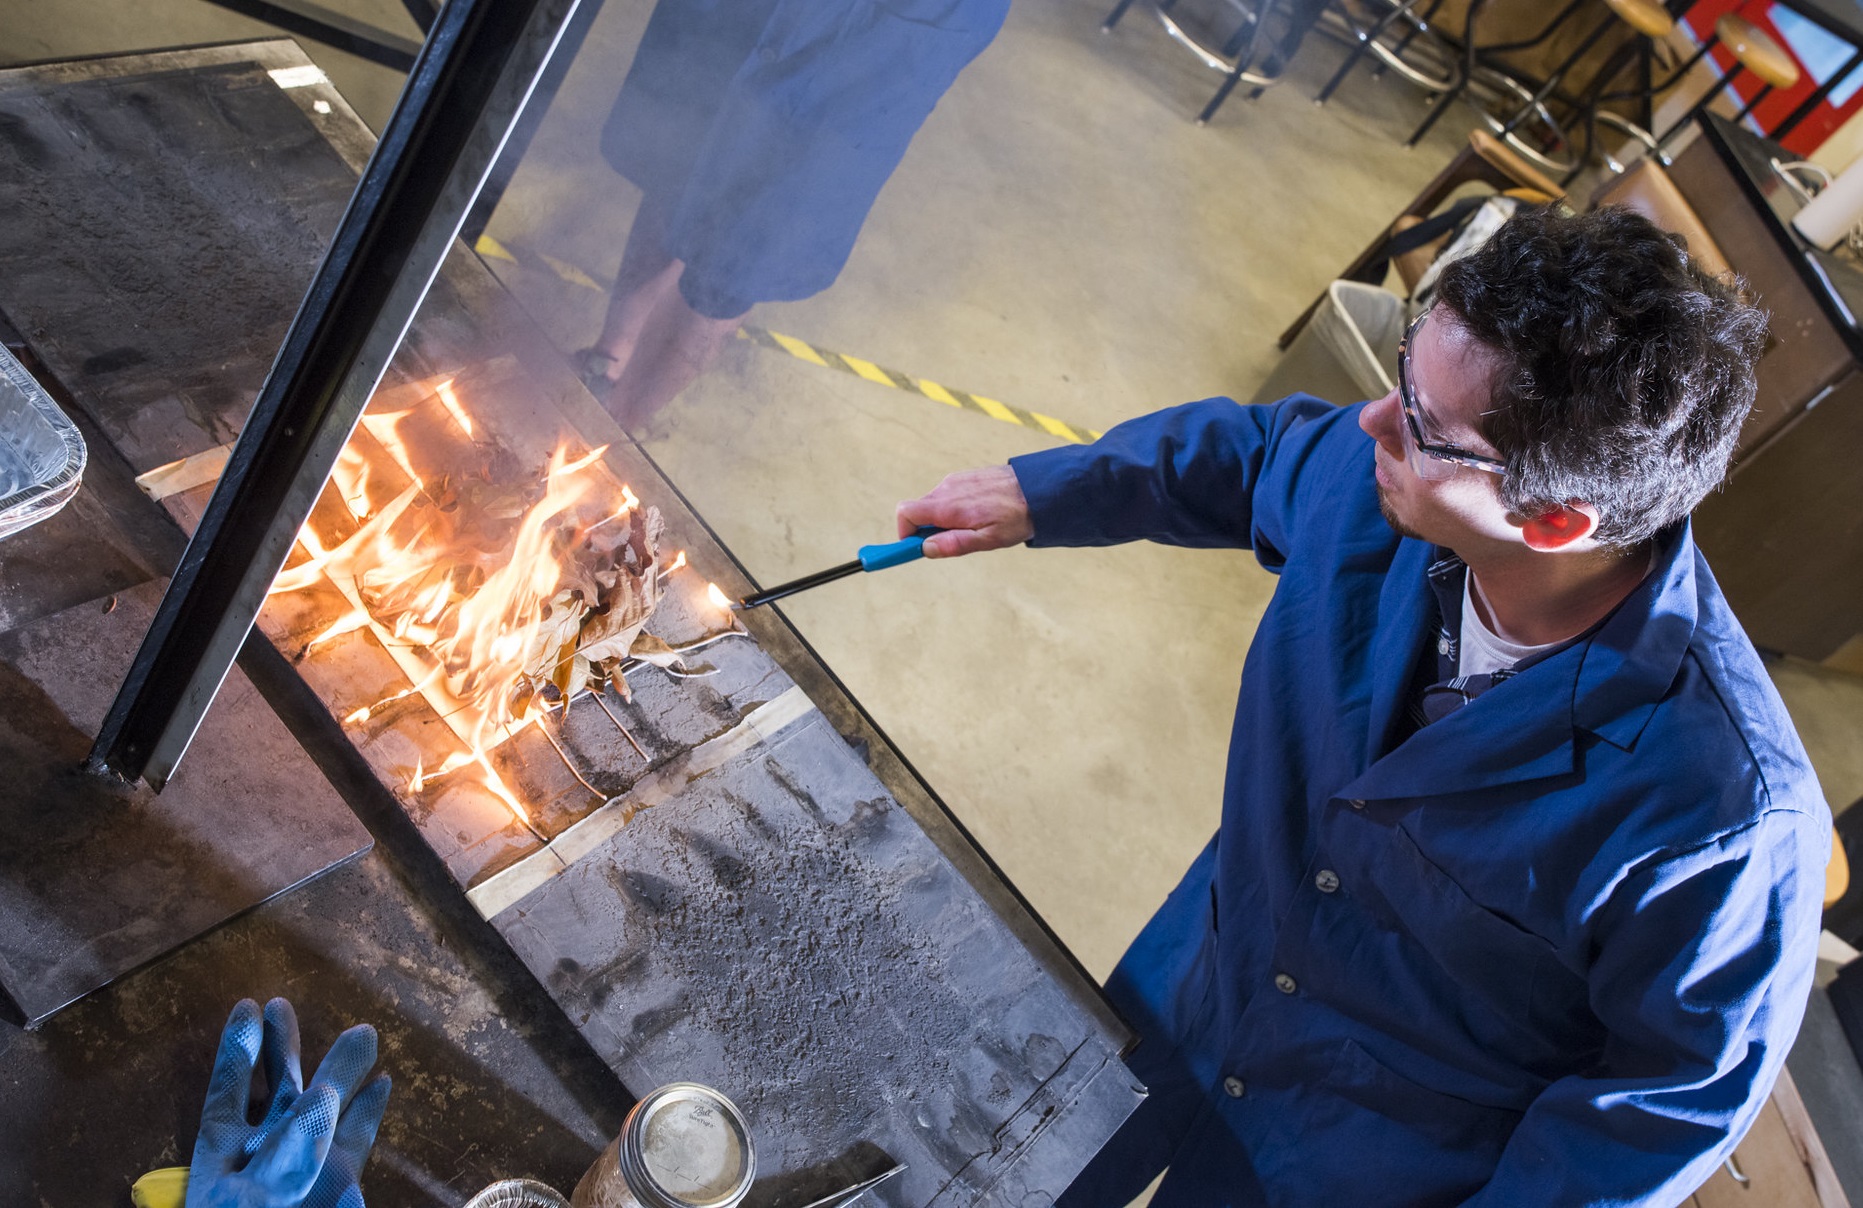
(469, 84)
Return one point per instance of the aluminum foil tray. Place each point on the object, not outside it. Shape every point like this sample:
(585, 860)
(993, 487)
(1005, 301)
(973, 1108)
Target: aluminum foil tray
(41, 452)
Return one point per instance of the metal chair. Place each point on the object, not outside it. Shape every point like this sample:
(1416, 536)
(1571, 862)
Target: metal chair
(1237, 56)
(1405, 40)
(1648, 20)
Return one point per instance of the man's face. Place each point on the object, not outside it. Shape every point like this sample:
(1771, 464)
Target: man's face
(1450, 375)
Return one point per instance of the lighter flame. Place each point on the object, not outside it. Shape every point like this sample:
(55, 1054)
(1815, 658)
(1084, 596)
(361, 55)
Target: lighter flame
(678, 563)
(718, 598)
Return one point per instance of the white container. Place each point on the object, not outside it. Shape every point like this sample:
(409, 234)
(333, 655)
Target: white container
(683, 1146)
(1346, 352)
(1836, 209)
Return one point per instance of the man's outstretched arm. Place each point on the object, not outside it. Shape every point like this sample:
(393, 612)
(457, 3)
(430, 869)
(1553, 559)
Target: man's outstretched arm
(1208, 474)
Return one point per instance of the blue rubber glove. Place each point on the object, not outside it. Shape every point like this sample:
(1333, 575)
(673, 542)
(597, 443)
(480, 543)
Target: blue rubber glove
(308, 1148)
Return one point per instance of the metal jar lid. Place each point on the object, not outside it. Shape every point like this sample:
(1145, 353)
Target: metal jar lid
(687, 1146)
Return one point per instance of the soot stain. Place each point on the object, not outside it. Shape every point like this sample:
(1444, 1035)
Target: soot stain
(777, 925)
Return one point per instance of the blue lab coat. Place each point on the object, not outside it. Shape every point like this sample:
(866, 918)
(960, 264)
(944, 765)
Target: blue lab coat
(768, 127)
(1550, 950)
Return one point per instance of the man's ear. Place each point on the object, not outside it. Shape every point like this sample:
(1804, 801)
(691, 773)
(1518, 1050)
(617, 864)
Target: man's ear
(1560, 527)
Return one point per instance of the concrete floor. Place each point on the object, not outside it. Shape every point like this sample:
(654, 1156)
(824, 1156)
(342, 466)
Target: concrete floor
(1062, 237)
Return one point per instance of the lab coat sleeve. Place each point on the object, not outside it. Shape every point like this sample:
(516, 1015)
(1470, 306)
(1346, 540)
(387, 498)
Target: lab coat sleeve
(1209, 474)
(1703, 964)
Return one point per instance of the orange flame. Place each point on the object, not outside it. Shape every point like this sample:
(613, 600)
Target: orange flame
(466, 641)
(718, 598)
(678, 562)
(450, 401)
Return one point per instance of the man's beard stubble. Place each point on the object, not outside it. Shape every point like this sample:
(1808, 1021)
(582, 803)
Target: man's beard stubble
(1390, 518)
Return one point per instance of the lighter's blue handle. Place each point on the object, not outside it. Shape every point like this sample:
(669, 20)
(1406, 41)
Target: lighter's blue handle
(896, 553)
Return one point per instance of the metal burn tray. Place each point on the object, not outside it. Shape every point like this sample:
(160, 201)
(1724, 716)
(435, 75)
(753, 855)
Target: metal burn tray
(41, 453)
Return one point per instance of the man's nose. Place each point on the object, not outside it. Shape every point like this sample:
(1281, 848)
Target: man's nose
(1379, 419)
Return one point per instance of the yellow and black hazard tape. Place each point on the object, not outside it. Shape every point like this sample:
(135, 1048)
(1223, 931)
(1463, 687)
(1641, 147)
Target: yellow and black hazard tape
(802, 350)
(880, 375)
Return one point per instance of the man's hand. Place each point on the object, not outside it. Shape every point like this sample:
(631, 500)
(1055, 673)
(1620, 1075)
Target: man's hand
(979, 509)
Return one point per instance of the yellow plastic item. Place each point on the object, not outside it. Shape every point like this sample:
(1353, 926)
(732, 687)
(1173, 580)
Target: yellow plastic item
(1837, 872)
(164, 1188)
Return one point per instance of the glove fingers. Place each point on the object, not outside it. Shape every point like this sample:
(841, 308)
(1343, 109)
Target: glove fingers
(229, 1090)
(348, 1062)
(339, 1186)
(355, 1131)
(290, 1159)
(284, 1072)
(281, 1051)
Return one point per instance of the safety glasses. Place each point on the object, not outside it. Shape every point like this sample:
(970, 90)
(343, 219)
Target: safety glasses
(1431, 459)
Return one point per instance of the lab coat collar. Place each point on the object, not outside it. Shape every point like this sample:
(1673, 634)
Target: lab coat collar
(1633, 657)
(1524, 728)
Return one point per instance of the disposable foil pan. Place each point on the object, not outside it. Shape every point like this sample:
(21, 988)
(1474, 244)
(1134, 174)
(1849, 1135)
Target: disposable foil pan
(518, 1193)
(41, 453)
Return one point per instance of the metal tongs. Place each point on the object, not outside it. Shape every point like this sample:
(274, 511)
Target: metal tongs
(848, 1195)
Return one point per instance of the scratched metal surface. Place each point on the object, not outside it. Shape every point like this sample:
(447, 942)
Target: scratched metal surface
(801, 923)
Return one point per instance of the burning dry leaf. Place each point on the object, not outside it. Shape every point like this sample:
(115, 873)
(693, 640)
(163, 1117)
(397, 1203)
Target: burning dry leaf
(500, 591)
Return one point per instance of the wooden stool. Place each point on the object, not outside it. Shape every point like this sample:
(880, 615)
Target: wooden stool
(1754, 51)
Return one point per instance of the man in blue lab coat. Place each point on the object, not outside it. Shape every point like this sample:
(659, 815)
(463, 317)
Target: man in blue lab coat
(1515, 900)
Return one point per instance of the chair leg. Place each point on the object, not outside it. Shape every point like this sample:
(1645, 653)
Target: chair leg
(1581, 156)
(1557, 77)
(1748, 107)
(1361, 50)
(1444, 99)
(1222, 94)
(1465, 71)
(1112, 18)
(1688, 119)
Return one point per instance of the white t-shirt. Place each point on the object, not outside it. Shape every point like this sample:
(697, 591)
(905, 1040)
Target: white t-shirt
(1484, 651)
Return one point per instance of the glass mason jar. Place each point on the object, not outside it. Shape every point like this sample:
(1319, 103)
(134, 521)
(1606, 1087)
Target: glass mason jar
(683, 1146)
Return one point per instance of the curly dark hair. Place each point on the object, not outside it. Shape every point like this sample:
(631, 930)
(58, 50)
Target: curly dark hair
(1627, 370)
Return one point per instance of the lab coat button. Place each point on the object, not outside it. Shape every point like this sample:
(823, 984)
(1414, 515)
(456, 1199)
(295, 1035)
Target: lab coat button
(1232, 1086)
(1327, 880)
(1442, 645)
(1285, 984)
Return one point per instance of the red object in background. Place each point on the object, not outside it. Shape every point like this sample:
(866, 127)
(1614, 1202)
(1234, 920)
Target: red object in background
(1779, 104)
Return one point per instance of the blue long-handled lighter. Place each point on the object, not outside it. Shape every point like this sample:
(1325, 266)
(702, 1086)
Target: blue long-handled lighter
(872, 557)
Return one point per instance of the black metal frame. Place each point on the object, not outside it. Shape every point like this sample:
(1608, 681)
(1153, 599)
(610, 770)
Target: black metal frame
(332, 28)
(469, 84)
(568, 47)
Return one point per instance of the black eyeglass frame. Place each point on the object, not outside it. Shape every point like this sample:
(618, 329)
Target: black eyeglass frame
(1407, 401)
